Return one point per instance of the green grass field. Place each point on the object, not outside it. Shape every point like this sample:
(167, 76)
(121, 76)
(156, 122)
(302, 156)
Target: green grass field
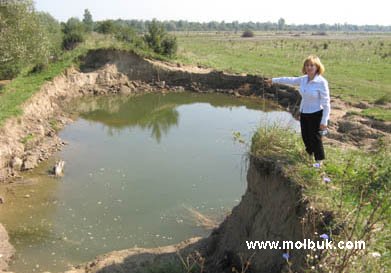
(358, 66)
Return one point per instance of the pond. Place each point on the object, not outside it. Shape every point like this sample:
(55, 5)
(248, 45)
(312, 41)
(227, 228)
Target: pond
(144, 171)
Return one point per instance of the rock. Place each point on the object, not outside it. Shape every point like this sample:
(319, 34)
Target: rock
(161, 84)
(40, 130)
(2, 201)
(30, 162)
(6, 249)
(16, 163)
(125, 90)
(58, 169)
(362, 105)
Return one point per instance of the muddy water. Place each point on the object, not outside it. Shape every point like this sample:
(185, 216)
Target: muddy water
(142, 171)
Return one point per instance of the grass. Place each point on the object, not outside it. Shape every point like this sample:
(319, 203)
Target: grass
(20, 89)
(357, 67)
(377, 113)
(358, 196)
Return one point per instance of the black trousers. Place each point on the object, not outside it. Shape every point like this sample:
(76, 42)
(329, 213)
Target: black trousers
(309, 124)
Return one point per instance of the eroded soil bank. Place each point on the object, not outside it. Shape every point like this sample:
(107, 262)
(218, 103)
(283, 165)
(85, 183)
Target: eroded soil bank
(269, 210)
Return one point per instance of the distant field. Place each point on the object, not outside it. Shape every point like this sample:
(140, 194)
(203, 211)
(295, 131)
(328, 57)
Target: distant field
(358, 66)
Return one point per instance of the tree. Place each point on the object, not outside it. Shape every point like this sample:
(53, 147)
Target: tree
(74, 31)
(106, 27)
(281, 23)
(23, 38)
(155, 36)
(159, 41)
(247, 34)
(53, 31)
(87, 20)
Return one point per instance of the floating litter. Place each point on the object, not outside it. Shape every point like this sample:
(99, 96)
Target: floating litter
(285, 256)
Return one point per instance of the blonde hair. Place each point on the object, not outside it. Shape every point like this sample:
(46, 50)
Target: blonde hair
(316, 61)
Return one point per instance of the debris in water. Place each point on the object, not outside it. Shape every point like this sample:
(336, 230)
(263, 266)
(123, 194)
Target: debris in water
(58, 169)
(201, 219)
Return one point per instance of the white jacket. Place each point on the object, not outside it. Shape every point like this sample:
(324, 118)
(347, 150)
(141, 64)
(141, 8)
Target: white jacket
(315, 94)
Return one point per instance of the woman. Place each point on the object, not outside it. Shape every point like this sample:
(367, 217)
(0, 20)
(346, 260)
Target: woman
(314, 106)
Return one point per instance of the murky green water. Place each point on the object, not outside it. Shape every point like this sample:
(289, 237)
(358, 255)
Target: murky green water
(139, 171)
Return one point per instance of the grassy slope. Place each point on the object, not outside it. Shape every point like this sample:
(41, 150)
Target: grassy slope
(357, 67)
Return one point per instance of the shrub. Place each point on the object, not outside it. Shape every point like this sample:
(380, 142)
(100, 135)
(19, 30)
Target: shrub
(106, 27)
(74, 31)
(9, 71)
(159, 41)
(71, 40)
(38, 68)
(169, 46)
(247, 34)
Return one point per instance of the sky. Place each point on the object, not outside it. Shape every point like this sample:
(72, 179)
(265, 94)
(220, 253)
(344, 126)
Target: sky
(293, 11)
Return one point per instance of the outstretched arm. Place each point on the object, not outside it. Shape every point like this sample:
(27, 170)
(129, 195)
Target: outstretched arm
(325, 102)
(287, 80)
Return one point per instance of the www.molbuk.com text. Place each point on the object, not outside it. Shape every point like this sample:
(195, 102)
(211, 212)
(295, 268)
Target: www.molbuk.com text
(305, 244)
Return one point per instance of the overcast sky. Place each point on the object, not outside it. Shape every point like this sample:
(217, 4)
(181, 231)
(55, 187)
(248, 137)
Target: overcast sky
(293, 11)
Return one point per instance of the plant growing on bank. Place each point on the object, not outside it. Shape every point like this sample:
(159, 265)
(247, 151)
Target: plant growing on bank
(121, 32)
(74, 32)
(159, 41)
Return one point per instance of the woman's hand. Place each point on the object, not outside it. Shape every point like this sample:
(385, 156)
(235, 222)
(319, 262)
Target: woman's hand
(268, 82)
(323, 127)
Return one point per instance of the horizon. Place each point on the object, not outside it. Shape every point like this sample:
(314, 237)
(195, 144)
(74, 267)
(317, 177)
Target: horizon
(227, 11)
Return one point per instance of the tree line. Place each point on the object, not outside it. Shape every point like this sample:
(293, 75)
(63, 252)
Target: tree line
(183, 25)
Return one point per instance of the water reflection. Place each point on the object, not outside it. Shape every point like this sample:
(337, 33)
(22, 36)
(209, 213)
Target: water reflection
(155, 112)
